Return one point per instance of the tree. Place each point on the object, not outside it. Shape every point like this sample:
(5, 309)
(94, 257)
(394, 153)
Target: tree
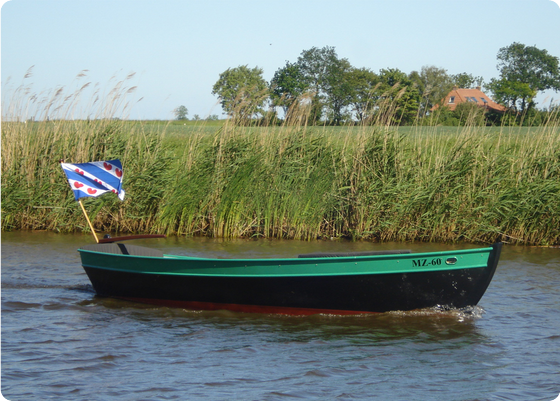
(287, 86)
(327, 77)
(399, 98)
(315, 65)
(510, 93)
(469, 114)
(363, 83)
(433, 85)
(338, 89)
(524, 71)
(466, 81)
(242, 92)
(181, 113)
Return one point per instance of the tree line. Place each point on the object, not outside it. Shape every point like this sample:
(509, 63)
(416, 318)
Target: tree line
(323, 88)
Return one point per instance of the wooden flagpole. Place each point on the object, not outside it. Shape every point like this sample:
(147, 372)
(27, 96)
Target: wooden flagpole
(89, 222)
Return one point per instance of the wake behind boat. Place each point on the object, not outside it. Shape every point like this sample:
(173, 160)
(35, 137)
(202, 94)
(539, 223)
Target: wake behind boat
(351, 283)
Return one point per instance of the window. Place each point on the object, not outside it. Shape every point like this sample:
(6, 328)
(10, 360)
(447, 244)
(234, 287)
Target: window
(452, 99)
(484, 100)
(474, 99)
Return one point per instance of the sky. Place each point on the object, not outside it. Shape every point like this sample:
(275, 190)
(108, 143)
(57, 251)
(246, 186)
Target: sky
(177, 49)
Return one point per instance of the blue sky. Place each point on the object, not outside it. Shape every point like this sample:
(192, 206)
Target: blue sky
(178, 48)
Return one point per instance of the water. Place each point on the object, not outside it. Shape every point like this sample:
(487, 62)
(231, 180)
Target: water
(60, 341)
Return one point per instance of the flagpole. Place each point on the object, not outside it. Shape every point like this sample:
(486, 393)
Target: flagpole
(89, 222)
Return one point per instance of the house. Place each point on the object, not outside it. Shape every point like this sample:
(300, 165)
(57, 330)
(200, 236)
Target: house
(459, 95)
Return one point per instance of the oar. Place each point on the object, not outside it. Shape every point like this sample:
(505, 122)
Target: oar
(108, 239)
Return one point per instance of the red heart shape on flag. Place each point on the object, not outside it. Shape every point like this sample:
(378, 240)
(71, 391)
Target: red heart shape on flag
(107, 166)
(78, 184)
(91, 191)
(119, 173)
(79, 171)
(114, 191)
(99, 182)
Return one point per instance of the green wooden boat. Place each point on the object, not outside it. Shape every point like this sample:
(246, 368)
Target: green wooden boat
(349, 283)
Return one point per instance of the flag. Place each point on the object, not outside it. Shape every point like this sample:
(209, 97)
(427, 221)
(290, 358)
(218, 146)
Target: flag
(95, 178)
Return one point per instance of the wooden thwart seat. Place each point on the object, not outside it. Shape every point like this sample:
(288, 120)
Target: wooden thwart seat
(346, 254)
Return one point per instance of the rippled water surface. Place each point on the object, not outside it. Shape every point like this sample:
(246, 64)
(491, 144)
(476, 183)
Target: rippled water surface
(60, 341)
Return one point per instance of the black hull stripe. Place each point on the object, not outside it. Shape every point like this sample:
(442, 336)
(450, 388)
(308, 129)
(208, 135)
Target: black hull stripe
(366, 293)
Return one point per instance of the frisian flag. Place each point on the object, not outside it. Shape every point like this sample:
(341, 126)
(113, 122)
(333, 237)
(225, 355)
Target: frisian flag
(95, 178)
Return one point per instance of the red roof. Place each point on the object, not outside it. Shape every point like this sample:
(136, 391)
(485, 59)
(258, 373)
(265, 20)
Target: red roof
(459, 95)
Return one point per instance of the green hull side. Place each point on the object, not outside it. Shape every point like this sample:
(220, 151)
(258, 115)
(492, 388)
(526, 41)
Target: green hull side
(382, 264)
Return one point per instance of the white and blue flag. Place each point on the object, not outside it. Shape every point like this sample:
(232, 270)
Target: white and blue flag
(95, 178)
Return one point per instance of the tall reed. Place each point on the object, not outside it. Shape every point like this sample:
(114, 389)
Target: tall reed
(366, 182)
(43, 131)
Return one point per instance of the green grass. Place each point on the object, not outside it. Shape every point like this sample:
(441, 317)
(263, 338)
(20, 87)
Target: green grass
(377, 183)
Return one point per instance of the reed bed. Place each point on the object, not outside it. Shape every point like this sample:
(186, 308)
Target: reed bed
(369, 183)
(40, 131)
(294, 181)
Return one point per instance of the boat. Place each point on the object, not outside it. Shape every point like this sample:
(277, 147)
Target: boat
(327, 283)
(330, 283)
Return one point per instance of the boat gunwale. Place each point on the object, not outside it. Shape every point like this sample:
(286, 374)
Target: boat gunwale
(302, 260)
(272, 275)
(272, 262)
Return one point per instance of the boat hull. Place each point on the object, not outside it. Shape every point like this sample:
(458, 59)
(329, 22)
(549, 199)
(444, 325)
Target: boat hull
(297, 286)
